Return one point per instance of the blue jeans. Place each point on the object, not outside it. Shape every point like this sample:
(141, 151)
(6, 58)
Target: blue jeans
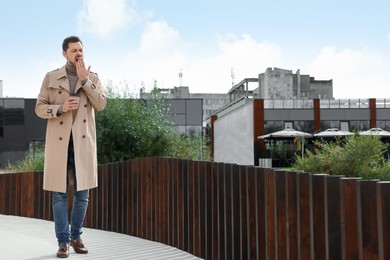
(60, 210)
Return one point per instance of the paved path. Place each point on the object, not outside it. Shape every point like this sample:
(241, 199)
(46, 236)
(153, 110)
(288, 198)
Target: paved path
(34, 239)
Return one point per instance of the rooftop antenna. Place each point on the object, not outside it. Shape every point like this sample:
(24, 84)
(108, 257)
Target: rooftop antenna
(180, 76)
(232, 75)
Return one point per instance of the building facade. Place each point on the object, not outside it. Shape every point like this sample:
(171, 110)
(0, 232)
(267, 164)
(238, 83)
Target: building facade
(235, 129)
(21, 130)
(1, 88)
(277, 83)
(210, 102)
(274, 83)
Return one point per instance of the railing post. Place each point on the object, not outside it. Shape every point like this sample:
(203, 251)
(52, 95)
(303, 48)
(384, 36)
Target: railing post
(383, 190)
(352, 232)
(305, 217)
(369, 217)
(334, 217)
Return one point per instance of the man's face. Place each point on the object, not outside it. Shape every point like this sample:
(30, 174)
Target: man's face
(74, 52)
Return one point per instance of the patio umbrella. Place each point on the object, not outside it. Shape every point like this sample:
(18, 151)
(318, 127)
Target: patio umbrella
(332, 133)
(376, 132)
(287, 134)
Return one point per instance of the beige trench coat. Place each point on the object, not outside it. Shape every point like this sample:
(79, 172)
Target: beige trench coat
(54, 92)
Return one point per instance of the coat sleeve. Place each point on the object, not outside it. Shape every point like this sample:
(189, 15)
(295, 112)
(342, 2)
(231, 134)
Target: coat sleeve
(43, 108)
(95, 92)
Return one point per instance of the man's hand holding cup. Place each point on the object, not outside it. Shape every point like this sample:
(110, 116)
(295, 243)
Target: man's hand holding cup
(72, 103)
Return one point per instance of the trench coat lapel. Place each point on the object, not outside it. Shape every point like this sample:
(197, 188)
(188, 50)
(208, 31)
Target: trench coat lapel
(78, 86)
(63, 78)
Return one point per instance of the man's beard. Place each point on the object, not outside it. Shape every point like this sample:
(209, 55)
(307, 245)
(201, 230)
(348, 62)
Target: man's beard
(72, 63)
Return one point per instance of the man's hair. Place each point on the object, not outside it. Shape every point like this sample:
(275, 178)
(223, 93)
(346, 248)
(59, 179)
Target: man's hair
(67, 40)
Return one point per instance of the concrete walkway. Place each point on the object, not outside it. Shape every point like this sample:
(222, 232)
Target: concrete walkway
(34, 239)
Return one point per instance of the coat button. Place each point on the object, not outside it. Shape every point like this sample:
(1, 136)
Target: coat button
(60, 138)
(85, 120)
(85, 105)
(61, 123)
(59, 92)
(83, 136)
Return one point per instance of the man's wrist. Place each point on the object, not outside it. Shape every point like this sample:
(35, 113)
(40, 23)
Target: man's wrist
(83, 81)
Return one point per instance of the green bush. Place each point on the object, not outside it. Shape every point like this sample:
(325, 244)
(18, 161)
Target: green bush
(28, 164)
(191, 147)
(354, 156)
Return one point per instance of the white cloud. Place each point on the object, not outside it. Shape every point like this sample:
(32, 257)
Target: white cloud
(243, 54)
(159, 57)
(102, 17)
(162, 54)
(355, 73)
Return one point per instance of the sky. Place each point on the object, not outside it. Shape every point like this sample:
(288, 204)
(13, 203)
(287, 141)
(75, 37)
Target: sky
(213, 44)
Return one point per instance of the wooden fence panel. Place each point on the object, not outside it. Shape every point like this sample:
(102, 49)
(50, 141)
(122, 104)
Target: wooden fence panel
(137, 199)
(209, 206)
(352, 219)
(369, 216)
(3, 190)
(215, 211)
(174, 202)
(221, 212)
(100, 199)
(320, 234)
(226, 211)
(292, 215)
(105, 197)
(117, 196)
(335, 248)
(236, 200)
(123, 198)
(21, 195)
(181, 201)
(244, 215)
(184, 214)
(383, 189)
(203, 193)
(196, 207)
(271, 224)
(229, 214)
(260, 190)
(149, 201)
(38, 205)
(281, 215)
(305, 220)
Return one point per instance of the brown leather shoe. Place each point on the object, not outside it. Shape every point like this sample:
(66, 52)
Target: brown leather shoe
(63, 251)
(78, 246)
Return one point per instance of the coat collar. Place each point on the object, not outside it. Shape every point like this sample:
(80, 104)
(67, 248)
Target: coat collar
(62, 73)
(64, 81)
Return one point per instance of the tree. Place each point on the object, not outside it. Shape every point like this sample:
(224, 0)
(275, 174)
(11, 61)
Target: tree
(130, 128)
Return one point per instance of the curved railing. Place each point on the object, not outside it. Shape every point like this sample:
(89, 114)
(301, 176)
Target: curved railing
(226, 211)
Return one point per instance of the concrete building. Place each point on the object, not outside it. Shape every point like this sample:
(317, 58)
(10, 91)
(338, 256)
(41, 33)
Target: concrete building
(283, 84)
(211, 102)
(277, 83)
(273, 84)
(1, 88)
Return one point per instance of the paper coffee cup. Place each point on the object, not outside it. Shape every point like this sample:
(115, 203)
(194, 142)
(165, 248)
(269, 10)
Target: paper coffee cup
(76, 96)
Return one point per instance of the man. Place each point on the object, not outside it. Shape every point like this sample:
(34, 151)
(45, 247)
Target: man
(68, 98)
